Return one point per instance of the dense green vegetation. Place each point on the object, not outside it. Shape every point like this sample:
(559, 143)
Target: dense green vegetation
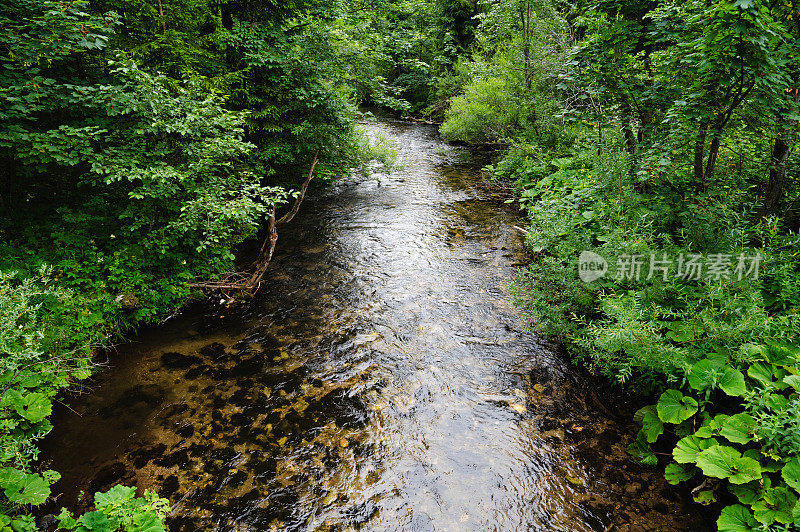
(142, 142)
(661, 137)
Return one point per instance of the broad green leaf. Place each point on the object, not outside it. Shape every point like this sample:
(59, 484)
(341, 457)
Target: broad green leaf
(732, 382)
(35, 490)
(641, 451)
(704, 374)
(754, 351)
(776, 402)
(739, 428)
(748, 493)
(793, 381)
(12, 398)
(652, 426)
(718, 461)
(24, 523)
(761, 372)
(689, 447)
(675, 473)
(673, 407)
(96, 522)
(747, 470)
(711, 427)
(782, 354)
(146, 522)
(776, 506)
(11, 479)
(114, 497)
(721, 461)
(34, 407)
(791, 473)
(736, 518)
(30, 380)
(638, 416)
(65, 520)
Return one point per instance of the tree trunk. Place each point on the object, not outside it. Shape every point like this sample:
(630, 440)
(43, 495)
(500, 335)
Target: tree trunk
(630, 139)
(161, 16)
(776, 187)
(777, 176)
(699, 156)
(713, 150)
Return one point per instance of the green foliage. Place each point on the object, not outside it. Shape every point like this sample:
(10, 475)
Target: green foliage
(41, 354)
(485, 112)
(674, 116)
(140, 144)
(120, 509)
(722, 356)
(763, 470)
(399, 52)
(508, 88)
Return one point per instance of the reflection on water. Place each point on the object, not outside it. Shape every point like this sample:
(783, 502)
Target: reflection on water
(380, 381)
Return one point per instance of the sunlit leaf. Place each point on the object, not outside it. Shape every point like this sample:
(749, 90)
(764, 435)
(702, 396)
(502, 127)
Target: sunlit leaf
(673, 407)
(736, 518)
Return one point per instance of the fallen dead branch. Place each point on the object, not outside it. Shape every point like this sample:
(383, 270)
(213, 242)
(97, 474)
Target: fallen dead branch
(248, 282)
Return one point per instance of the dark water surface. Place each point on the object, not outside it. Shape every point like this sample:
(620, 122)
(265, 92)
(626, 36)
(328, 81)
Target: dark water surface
(380, 381)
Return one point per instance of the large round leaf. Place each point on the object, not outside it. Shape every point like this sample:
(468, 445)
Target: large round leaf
(776, 506)
(689, 447)
(736, 518)
(739, 428)
(673, 407)
(34, 490)
(782, 354)
(116, 496)
(11, 479)
(34, 407)
(146, 522)
(721, 461)
(675, 473)
(97, 522)
(640, 450)
(732, 382)
(711, 427)
(761, 372)
(793, 381)
(652, 427)
(704, 374)
(750, 492)
(791, 473)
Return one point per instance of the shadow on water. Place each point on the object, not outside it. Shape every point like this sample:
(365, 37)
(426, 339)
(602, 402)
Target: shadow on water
(381, 380)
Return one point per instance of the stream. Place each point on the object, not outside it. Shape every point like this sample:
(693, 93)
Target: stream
(380, 380)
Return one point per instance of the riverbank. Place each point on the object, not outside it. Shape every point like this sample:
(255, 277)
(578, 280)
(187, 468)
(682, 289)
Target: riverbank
(700, 318)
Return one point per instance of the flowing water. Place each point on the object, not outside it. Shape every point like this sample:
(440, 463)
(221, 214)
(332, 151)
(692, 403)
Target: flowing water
(381, 380)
